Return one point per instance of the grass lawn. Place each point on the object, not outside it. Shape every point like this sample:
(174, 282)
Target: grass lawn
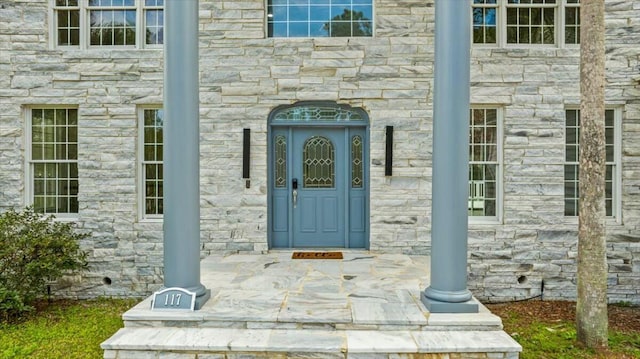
(75, 329)
(546, 329)
(64, 329)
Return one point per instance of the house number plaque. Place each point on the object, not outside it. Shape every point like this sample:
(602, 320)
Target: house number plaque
(173, 298)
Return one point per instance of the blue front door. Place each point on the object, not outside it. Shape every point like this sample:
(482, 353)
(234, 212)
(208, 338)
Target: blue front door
(318, 188)
(318, 192)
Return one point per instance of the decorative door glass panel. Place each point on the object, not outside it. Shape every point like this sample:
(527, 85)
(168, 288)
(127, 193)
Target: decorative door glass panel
(280, 162)
(356, 162)
(318, 163)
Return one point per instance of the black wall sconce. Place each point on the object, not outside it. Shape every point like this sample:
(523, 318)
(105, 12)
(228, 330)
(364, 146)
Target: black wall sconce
(388, 160)
(246, 155)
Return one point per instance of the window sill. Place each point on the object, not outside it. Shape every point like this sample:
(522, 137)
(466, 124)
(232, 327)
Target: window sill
(108, 47)
(483, 221)
(64, 217)
(609, 221)
(152, 220)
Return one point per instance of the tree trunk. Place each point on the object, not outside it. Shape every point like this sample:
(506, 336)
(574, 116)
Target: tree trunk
(591, 313)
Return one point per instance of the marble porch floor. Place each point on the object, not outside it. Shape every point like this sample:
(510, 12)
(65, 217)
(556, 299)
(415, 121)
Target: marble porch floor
(273, 289)
(366, 302)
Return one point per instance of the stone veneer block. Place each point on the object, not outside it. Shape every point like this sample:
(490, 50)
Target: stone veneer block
(365, 341)
(307, 341)
(464, 341)
(390, 75)
(475, 319)
(386, 313)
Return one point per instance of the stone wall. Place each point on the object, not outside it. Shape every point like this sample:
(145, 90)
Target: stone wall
(244, 75)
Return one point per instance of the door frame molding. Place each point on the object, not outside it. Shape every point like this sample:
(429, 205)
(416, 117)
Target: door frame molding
(362, 122)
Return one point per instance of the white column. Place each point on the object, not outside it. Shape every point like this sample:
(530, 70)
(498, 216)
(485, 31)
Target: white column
(182, 149)
(447, 292)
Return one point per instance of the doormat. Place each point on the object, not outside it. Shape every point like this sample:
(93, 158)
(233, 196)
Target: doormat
(317, 255)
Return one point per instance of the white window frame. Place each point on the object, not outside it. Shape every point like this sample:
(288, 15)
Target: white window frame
(499, 166)
(142, 215)
(84, 36)
(616, 198)
(30, 162)
(501, 24)
(268, 16)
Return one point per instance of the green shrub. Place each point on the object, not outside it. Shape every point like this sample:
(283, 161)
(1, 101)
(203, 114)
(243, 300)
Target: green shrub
(34, 250)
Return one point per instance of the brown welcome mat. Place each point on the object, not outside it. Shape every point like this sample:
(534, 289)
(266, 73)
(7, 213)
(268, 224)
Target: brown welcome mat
(317, 255)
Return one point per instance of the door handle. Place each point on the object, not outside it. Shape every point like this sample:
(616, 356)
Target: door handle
(294, 192)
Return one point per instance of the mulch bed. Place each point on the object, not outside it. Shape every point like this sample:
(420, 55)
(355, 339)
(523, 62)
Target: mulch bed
(621, 318)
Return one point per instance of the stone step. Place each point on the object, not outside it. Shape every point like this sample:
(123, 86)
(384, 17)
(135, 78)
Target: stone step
(403, 316)
(220, 343)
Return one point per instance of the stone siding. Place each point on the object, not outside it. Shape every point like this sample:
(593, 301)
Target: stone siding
(245, 75)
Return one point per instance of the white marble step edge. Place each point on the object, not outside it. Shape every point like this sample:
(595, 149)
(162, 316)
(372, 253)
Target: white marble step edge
(205, 340)
(142, 316)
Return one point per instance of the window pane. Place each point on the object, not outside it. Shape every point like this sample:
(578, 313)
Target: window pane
(63, 19)
(49, 151)
(38, 187)
(571, 173)
(571, 190)
(278, 29)
(36, 151)
(608, 190)
(112, 27)
(153, 189)
(49, 117)
(61, 152)
(483, 167)
(38, 170)
(150, 189)
(299, 13)
(73, 204)
(609, 118)
(572, 25)
(149, 153)
(52, 184)
(68, 26)
(484, 25)
(321, 18)
(279, 13)
(320, 13)
(154, 27)
(63, 205)
(73, 152)
(570, 207)
(533, 24)
(38, 204)
(152, 127)
(298, 29)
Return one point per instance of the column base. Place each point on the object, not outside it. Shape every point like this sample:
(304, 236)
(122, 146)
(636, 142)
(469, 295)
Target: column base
(436, 306)
(202, 298)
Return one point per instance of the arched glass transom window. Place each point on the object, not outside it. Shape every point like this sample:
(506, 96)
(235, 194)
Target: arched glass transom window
(318, 113)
